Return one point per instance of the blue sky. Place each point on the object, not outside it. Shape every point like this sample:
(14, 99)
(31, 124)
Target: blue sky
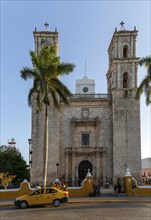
(85, 31)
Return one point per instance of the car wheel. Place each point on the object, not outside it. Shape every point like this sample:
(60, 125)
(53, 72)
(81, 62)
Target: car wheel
(23, 205)
(56, 203)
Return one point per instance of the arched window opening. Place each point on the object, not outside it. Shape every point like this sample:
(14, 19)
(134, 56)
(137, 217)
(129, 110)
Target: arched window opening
(125, 51)
(84, 167)
(125, 80)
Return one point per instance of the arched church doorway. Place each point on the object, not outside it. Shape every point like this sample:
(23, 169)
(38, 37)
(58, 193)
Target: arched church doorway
(84, 166)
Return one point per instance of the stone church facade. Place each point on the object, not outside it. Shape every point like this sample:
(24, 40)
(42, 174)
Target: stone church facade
(99, 132)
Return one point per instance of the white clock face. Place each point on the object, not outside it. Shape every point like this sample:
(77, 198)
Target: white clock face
(85, 89)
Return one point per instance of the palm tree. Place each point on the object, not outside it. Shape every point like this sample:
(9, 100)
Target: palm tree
(145, 85)
(47, 87)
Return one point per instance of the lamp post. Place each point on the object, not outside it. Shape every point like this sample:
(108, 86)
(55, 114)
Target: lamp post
(30, 152)
(57, 165)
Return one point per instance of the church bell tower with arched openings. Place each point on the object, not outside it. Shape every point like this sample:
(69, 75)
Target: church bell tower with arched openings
(122, 85)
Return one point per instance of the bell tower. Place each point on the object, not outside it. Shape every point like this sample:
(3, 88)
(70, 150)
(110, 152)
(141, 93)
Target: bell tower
(45, 37)
(122, 85)
(122, 73)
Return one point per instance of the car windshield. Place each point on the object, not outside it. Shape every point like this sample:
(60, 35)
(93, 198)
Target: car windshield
(50, 190)
(42, 191)
(37, 192)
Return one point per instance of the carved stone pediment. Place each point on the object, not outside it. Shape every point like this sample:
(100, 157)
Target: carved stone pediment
(85, 121)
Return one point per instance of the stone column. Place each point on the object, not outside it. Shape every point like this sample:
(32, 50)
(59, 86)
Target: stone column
(115, 49)
(133, 76)
(118, 76)
(66, 167)
(97, 165)
(97, 132)
(131, 49)
(119, 49)
(136, 70)
(73, 167)
(104, 167)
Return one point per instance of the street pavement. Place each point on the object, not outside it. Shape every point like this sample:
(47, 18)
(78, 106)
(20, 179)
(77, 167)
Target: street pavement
(78, 211)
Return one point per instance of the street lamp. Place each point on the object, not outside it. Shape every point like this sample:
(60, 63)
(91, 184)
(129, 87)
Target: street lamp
(30, 152)
(57, 165)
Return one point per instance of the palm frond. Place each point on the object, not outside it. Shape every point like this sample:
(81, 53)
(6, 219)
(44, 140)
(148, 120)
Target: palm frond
(145, 85)
(57, 84)
(146, 61)
(140, 89)
(54, 97)
(65, 69)
(30, 96)
(27, 73)
(45, 72)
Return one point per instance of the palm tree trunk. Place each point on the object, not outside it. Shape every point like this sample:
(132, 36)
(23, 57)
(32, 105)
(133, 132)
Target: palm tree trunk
(46, 137)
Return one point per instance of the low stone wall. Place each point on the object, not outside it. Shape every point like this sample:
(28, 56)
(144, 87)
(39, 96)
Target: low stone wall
(10, 194)
(138, 190)
(84, 190)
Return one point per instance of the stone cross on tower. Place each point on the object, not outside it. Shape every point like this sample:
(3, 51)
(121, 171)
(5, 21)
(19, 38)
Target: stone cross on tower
(46, 24)
(122, 25)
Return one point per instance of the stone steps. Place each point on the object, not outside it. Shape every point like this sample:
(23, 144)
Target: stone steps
(109, 191)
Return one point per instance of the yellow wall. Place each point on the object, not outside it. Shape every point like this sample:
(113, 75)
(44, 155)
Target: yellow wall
(13, 194)
(84, 190)
(139, 190)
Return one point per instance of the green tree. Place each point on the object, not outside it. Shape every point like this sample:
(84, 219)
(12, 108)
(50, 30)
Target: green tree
(47, 87)
(145, 85)
(12, 163)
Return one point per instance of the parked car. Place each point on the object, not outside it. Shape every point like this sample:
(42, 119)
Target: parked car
(43, 196)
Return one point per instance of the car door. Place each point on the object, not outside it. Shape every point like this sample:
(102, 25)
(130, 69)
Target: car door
(37, 198)
(51, 195)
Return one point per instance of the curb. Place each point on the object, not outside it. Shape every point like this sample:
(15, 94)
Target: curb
(111, 201)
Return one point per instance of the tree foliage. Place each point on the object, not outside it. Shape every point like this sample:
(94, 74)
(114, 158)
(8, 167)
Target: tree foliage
(12, 163)
(145, 85)
(46, 71)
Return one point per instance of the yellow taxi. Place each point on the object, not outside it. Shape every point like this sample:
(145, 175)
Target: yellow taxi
(42, 196)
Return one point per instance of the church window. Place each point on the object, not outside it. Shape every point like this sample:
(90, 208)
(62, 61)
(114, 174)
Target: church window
(125, 51)
(85, 139)
(125, 80)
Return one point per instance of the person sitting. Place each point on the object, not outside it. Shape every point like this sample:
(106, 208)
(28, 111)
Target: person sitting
(134, 185)
(40, 191)
(119, 187)
(96, 190)
(106, 185)
(63, 186)
(115, 189)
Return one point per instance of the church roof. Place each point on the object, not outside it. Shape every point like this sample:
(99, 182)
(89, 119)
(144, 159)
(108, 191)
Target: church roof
(85, 81)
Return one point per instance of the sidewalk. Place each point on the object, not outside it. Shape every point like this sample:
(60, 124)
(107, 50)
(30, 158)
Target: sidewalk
(110, 199)
(101, 199)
